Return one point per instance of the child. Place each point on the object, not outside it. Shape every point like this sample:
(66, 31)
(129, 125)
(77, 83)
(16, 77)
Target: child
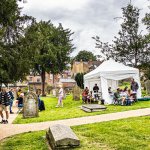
(60, 97)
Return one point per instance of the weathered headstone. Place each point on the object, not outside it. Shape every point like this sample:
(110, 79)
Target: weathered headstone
(93, 107)
(30, 108)
(54, 92)
(76, 93)
(62, 137)
(147, 85)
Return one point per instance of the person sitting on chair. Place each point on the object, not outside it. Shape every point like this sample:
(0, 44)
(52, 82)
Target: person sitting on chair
(20, 102)
(90, 97)
(117, 97)
(85, 94)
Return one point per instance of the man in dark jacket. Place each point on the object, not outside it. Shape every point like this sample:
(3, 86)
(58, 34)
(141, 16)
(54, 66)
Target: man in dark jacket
(96, 89)
(134, 86)
(4, 105)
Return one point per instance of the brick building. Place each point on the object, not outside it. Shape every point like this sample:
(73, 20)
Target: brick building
(84, 67)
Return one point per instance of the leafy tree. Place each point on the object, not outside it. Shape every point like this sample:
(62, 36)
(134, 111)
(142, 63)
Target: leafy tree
(51, 47)
(79, 80)
(14, 61)
(130, 46)
(146, 20)
(85, 56)
(146, 66)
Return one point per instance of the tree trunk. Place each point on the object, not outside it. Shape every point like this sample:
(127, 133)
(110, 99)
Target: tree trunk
(53, 81)
(43, 81)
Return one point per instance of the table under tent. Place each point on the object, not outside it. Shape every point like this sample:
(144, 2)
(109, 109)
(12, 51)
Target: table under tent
(107, 75)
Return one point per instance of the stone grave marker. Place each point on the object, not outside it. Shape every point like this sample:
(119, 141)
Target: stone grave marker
(93, 107)
(147, 85)
(62, 137)
(30, 106)
(54, 92)
(76, 93)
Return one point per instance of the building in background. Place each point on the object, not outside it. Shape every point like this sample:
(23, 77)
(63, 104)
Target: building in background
(84, 67)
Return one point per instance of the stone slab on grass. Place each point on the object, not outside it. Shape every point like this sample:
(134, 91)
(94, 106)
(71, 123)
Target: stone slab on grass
(93, 107)
(62, 137)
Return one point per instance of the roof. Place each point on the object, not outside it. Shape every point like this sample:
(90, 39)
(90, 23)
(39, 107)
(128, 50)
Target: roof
(111, 67)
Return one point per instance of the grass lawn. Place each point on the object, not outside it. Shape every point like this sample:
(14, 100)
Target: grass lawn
(71, 109)
(124, 134)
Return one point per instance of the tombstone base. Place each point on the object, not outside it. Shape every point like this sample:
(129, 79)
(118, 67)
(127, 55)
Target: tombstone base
(93, 107)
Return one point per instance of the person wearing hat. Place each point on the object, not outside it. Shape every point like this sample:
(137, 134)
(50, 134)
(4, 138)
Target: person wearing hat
(60, 96)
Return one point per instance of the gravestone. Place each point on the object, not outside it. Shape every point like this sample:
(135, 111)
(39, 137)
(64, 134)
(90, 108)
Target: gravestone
(76, 93)
(30, 105)
(61, 137)
(54, 92)
(93, 107)
(147, 85)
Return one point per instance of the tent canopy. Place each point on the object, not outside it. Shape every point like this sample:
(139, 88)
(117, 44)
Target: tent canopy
(111, 70)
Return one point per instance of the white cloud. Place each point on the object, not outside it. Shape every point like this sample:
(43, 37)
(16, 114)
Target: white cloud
(87, 18)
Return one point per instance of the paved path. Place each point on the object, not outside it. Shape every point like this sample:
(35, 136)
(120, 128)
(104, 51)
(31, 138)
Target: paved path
(7, 130)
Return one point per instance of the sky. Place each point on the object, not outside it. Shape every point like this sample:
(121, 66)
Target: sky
(86, 18)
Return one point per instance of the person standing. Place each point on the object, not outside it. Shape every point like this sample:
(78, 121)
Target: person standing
(96, 89)
(11, 93)
(134, 86)
(4, 105)
(60, 97)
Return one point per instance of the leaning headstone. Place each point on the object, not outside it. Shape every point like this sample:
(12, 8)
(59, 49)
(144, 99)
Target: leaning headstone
(93, 107)
(62, 137)
(76, 93)
(147, 85)
(30, 108)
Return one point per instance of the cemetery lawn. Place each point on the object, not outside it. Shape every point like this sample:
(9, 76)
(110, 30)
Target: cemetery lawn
(124, 134)
(72, 109)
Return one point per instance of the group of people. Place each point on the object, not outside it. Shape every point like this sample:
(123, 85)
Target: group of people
(90, 96)
(126, 96)
(6, 102)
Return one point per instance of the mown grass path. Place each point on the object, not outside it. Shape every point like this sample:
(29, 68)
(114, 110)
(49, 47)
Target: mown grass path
(12, 129)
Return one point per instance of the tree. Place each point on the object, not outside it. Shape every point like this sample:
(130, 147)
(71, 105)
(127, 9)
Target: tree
(79, 80)
(146, 66)
(51, 47)
(13, 60)
(85, 56)
(130, 46)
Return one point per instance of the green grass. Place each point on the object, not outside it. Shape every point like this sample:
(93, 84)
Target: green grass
(124, 84)
(125, 134)
(72, 109)
(26, 141)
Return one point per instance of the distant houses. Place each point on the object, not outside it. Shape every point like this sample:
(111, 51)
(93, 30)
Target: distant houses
(33, 82)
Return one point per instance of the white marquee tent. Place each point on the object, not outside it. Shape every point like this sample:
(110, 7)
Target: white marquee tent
(108, 74)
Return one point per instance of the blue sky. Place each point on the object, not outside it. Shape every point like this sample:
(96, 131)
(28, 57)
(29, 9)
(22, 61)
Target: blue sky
(86, 18)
